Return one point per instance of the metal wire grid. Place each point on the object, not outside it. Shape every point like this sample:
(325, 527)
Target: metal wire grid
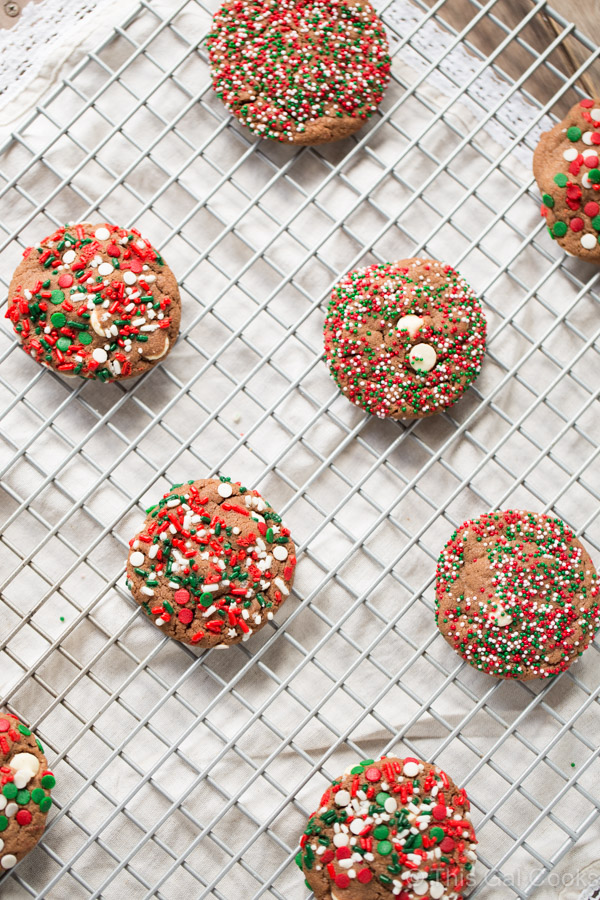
(353, 666)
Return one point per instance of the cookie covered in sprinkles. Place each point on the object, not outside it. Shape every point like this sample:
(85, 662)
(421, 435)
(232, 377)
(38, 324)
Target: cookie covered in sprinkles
(391, 827)
(25, 786)
(566, 165)
(517, 595)
(404, 340)
(212, 564)
(96, 301)
(299, 71)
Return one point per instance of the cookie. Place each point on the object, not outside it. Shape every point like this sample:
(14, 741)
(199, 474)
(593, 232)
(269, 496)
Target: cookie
(95, 301)
(25, 798)
(566, 166)
(212, 564)
(300, 71)
(517, 595)
(389, 828)
(404, 340)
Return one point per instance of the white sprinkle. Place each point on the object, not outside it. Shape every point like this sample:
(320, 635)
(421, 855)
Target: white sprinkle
(588, 241)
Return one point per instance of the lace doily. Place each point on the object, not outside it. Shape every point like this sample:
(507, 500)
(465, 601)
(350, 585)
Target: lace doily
(33, 52)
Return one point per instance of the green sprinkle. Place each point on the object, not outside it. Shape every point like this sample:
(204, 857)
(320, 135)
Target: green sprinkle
(45, 804)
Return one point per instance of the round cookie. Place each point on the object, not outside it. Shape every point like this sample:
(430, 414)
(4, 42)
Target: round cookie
(212, 563)
(397, 828)
(404, 340)
(517, 595)
(566, 166)
(95, 301)
(25, 799)
(300, 71)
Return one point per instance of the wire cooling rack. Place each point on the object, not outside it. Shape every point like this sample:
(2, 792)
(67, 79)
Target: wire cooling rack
(179, 771)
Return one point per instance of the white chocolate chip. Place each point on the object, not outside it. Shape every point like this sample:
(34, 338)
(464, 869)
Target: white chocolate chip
(422, 357)
(411, 769)
(569, 155)
(8, 861)
(105, 268)
(68, 257)
(225, 489)
(102, 234)
(129, 277)
(96, 322)
(410, 323)
(587, 137)
(25, 761)
(595, 114)
(157, 355)
(136, 559)
(280, 553)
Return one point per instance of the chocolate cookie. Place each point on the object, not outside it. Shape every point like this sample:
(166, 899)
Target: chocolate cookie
(96, 301)
(567, 169)
(26, 784)
(389, 828)
(517, 595)
(212, 563)
(300, 71)
(404, 340)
